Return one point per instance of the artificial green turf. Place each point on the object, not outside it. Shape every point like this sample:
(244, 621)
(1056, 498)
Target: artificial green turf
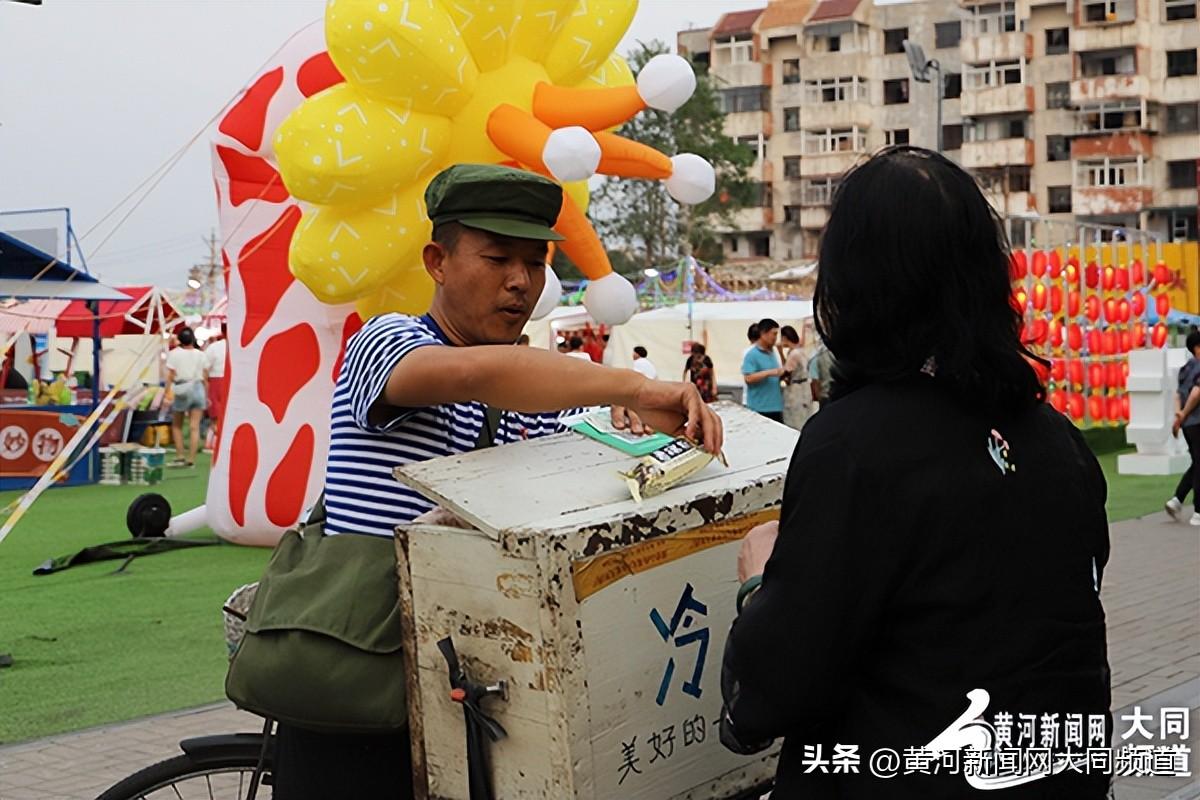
(91, 645)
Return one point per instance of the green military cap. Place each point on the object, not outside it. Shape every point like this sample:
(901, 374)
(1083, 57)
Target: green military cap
(503, 200)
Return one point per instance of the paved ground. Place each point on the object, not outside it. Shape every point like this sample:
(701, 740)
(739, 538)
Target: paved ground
(1151, 594)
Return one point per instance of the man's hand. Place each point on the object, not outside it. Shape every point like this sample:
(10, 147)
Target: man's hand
(624, 419)
(756, 549)
(677, 409)
(1177, 424)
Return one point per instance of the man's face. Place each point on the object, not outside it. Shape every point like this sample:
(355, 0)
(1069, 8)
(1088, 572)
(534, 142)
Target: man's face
(769, 338)
(488, 284)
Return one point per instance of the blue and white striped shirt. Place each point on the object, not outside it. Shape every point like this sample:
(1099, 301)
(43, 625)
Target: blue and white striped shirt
(361, 494)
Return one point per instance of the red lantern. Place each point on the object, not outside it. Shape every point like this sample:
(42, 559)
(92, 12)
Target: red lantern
(1096, 407)
(1162, 274)
(1075, 406)
(1041, 331)
(1058, 400)
(1074, 336)
(1122, 279)
(1162, 304)
(1056, 264)
(1125, 407)
(1075, 371)
(1058, 370)
(1091, 307)
(1017, 265)
(1039, 263)
(1027, 333)
(1138, 336)
(1056, 295)
(1056, 333)
(1110, 310)
(1114, 409)
(1073, 272)
(1124, 311)
(1158, 336)
(1020, 300)
(1096, 375)
(1109, 279)
(1091, 275)
(1108, 342)
(1039, 296)
(1073, 303)
(1113, 376)
(1137, 304)
(1125, 342)
(1137, 273)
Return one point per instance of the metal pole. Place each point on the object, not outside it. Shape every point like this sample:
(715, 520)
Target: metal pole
(67, 236)
(941, 90)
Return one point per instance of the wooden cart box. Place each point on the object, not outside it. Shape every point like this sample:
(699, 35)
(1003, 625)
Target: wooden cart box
(606, 618)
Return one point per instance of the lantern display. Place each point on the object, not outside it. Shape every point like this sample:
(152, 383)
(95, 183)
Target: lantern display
(1091, 275)
(1058, 400)
(1096, 375)
(1110, 310)
(1038, 268)
(1114, 409)
(1056, 299)
(1095, 341)
(1096, 407)
(1122, 279)
(1137, 304)
(1073, 273)
(1039, 296)
(1125, 407)
(1074, 336)
(1158, 336)
(1018, 266)
(1124, 311)
(1162, 304)
(1137, 273)
(1075, 370)
(1091, 307)
(1073, 303)
(1108, 342)
(1056, 333)
(1124, 342)
(1137, 336)
(1115, 376)
(1056, 265)
(1108, 279)
(1075, 406)
(1162, 274)
(1058, 369)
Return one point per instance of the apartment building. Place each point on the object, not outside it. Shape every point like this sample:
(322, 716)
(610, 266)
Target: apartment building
(1083, 110)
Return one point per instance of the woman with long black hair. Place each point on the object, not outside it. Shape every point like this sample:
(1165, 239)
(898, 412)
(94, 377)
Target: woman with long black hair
(943, 528)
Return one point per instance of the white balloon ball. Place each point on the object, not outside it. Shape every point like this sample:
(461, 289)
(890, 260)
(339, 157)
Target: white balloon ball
(611, 300)
(551, 294)
(666, 82)
(692, 180)
(571, 154)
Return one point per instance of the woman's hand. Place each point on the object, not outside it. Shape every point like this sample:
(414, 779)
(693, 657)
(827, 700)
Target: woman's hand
(756, 549)
(1177, 424)
(675, 408)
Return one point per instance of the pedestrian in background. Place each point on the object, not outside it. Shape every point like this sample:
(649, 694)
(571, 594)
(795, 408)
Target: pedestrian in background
(762, 371)
(797, 397)
(1187, 420)
(643, 364)
(700, 371)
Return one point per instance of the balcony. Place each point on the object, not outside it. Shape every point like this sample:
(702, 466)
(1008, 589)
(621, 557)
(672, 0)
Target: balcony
(1011, 46)
(830, 163)
(1113, 145)
(1089, 201)
(846, 114)
(1132, 33)
(997, 153)
(1013, 98)
(1108, 87)
(1013, 202)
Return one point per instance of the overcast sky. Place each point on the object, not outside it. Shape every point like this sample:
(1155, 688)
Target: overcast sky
(95, 94)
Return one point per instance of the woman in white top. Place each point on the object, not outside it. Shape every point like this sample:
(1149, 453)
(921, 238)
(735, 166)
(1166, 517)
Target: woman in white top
(187, 377)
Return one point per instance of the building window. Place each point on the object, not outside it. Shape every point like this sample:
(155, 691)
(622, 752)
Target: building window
(1181, 174)
(986, 76)
(895, 91)
(1058, 95)
(947, 34)
(791, 214)
(893, 40)
(1183, 225)
(1058, 148)
(818, 192)
(756, 144)
(744, 98)
(791, 167)
(995, 128)
(1179, 9)
(953, 87)
(1111, 116)
(990, 19)
(733, 243)
(761, 246)
(1018, 179)
(1181, 62)
(835, 90)
(1058, 41)
(952, 137)
(847, 140)
(1110, 172)
(1060, 199)
(1099, 63)
(1183, 118)
(791, 70)
(834, 44)
(791, 119)
(739, 46)
(1016, 128)
(896, 136)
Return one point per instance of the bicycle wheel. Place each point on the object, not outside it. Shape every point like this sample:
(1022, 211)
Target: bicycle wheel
(185, 777)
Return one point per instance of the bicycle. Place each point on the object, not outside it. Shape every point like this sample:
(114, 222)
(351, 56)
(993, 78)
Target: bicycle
(211, 767)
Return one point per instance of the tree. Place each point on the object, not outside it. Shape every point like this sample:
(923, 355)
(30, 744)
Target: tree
(638, 218)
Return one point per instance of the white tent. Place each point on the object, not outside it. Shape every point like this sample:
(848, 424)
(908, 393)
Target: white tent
(720, 327)
(542, 331)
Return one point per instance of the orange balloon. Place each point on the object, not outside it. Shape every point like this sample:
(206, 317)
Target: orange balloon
(1158, 336)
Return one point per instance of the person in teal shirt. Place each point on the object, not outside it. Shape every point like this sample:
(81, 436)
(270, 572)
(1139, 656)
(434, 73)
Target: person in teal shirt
(762, 371)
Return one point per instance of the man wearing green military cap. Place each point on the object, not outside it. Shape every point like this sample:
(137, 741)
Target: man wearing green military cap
(415, 388)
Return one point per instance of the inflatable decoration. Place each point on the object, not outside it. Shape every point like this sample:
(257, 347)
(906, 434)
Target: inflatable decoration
(429, 84)
(530, 83)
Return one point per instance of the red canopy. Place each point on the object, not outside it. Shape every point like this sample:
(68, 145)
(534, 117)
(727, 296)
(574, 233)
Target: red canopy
(76, 321)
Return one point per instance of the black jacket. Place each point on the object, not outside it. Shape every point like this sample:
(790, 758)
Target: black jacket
(924, 551)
